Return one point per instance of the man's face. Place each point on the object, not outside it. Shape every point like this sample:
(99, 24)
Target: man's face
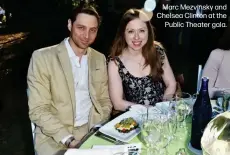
(83, 30)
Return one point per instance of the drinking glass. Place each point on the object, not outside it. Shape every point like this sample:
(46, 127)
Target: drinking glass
(170, 112)
(171, 124)
(184, 105)
(151, 134)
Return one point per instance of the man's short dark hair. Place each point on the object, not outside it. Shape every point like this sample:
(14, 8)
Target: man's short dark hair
(87, 9)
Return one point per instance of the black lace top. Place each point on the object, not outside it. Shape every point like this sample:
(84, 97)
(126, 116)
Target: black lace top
(141, 90)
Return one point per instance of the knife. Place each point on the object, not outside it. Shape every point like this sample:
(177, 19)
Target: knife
(109, 138)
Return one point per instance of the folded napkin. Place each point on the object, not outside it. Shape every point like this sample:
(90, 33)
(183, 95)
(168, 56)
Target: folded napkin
(134, 148)
(88, 152)
(140, 109)
(157, 112)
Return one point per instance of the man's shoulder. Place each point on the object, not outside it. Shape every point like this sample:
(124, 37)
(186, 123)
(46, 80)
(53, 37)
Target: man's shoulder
(96, 53)
(50, 50)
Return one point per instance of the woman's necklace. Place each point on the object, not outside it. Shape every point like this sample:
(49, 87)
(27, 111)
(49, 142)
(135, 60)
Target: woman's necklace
(140, 63)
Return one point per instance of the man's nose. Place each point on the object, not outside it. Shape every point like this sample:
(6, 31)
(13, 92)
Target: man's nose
(86, 34)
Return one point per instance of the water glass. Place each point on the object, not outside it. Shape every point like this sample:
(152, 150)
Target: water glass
(152, 135)
(171, 125)
(184, 105)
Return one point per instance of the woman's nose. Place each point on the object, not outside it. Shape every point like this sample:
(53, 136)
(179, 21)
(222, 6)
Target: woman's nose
(136, 35)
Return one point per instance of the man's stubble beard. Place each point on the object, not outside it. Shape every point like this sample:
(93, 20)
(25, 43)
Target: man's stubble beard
(81, 46)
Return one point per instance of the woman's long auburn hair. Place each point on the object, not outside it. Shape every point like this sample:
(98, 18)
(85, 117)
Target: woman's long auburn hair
(149, 52)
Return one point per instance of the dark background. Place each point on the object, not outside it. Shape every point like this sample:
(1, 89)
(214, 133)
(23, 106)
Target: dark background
(46, 22)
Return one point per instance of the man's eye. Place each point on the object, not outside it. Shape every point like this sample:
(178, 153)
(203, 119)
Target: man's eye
(93, 30)
(81, 28)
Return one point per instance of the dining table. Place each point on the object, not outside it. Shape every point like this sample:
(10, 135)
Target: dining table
(181, 140)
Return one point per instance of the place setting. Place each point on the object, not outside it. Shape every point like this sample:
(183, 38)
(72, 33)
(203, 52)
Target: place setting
(154, 126)
(161, 129)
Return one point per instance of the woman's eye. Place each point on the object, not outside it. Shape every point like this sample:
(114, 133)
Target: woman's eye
(130, 31)
(142, 31)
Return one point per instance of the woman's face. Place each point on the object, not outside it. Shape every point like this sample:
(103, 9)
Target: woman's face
(136, 34)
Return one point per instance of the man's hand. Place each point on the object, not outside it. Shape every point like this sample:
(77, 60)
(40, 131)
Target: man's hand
(73, 144)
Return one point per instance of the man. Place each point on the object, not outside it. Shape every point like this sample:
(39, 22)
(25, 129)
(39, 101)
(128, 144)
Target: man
(68, 86)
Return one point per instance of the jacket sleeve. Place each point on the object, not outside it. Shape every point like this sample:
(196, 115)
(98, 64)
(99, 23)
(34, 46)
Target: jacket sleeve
(40, 99)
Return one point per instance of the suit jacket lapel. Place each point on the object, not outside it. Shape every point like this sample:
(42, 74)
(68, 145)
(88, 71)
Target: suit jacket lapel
(91, 68)
(67, 69)
(92, 64)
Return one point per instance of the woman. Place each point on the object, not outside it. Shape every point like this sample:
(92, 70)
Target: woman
(217, 67)
(139, 71)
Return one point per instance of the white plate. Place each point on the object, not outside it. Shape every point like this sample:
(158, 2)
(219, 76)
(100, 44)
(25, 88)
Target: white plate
(109, 129)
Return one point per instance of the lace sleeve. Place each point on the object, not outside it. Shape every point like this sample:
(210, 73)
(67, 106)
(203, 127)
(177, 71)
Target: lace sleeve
(109, 58)
(161, 52)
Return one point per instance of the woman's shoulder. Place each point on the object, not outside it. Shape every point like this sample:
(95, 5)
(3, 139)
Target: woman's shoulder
(217, 54)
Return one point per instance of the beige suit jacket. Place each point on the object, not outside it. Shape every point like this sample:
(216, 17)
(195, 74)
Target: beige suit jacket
(52, 96)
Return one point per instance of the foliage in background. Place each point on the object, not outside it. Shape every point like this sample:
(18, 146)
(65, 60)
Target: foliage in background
(76, 3)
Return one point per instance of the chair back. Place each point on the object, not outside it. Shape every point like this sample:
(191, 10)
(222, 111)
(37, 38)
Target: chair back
(180, 83)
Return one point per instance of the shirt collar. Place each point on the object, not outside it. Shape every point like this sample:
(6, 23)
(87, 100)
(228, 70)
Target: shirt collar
(73, 56)
(69, 49)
